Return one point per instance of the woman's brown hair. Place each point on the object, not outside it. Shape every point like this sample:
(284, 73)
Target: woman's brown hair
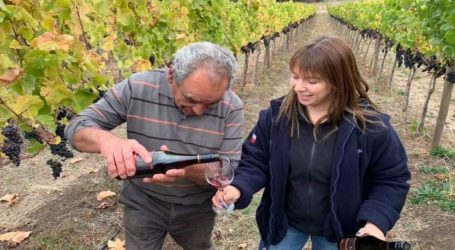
(331, 59)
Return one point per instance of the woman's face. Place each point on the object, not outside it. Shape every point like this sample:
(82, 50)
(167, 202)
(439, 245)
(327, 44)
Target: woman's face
(312, 91)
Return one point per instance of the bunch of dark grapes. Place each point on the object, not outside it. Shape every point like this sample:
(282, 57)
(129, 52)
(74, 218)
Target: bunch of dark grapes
(419, 59)
(266, 40)
(245, 50)
(56, 167)
(63, 112)
(61, 149)
(32, 135)
(399, 54)
(432, 65)
(408, 59)
(451, 77)
(253, 46)
(100, 95)
(388, 44)
(11, 145)
(152, 60)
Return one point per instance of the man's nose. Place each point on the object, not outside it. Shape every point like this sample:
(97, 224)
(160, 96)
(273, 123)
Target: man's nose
(199, 109)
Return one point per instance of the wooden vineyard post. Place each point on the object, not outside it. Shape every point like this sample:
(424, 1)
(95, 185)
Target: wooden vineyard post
(444, 106)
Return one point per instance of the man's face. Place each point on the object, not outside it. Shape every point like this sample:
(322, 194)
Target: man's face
(198, 92)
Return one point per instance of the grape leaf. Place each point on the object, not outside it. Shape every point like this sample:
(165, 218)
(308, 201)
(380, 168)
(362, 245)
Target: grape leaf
(105, 194)
(54, 92)
(27, 105)
(15, 237)
(10, 76)
(52, 41)
(35, 146)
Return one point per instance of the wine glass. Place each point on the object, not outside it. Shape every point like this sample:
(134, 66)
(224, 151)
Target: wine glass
(220, 174)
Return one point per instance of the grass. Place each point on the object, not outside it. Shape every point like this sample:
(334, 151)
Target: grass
(443, 152)
(439, 190)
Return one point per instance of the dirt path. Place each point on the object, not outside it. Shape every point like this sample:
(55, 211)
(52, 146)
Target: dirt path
(62, 214)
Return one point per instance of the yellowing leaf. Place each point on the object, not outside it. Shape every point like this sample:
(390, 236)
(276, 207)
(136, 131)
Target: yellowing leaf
(11, 199)
(54, 92)
(104, 205)
(142, 65)
(242, 246)
(53, 41)
(27, 105)
(180, 36)
(15, 237)
(77, 159)
(55, 140)
(108, 42)
(15, 45)
(105, 194)
(11, 76)
(116, 244)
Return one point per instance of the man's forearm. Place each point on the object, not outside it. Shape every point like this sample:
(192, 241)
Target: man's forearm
(89, 139)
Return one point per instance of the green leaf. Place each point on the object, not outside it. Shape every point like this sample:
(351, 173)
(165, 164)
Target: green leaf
(54, 92)
(35, 146)
(450, 37)
(47, 120)
(82, 98)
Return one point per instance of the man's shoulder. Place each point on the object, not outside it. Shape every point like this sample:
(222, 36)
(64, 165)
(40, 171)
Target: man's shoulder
(233, 99)
(156, 76)
(150, 82)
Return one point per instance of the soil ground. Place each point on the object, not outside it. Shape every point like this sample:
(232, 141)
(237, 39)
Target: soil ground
(62, 213)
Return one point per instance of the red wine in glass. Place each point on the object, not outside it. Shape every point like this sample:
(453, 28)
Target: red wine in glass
(219, 182)
(219, 175)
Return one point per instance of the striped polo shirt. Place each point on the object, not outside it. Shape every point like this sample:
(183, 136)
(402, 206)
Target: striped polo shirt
(145, 102)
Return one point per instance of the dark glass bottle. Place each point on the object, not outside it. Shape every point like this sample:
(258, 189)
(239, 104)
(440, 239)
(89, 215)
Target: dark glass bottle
(371, 243)
(165, 160)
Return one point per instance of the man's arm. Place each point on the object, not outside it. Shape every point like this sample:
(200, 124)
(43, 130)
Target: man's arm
(230, 147)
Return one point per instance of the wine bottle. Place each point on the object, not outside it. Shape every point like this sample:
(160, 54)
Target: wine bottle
(165, 160)
(371, 243)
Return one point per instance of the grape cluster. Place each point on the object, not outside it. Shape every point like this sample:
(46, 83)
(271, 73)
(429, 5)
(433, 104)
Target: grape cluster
(61, 149)
(56, 167)
(32, 135)
(451, 77)
(266, 40)
(432, 65)
(100, 95)
(388, 44)
(399, 51)
(152, 60)
(11, 145)
(63, 112)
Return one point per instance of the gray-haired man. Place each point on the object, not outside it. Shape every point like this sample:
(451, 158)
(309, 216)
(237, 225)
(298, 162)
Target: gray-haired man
(188, 107)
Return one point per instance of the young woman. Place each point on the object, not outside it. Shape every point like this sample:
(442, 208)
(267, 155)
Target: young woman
(331, 164)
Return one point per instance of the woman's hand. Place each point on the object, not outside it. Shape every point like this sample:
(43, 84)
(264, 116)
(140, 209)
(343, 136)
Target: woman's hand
(370, 229)
(229, 195)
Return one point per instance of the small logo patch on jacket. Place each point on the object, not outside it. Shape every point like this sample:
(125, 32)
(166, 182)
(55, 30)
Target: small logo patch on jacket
(253, 138)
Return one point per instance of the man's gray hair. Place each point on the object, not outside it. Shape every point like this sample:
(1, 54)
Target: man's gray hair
(216, 59)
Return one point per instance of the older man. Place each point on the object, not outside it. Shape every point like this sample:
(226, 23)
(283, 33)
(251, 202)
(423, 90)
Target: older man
(188, 107)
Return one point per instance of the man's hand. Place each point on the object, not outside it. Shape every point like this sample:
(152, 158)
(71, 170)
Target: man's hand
(120, 155)
(195, 173)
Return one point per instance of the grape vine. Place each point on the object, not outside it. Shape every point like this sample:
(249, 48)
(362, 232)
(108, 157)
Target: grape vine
(58, 57)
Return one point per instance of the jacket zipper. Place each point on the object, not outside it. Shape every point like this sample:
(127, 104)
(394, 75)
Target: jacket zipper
(271, 177)
(335, 184)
